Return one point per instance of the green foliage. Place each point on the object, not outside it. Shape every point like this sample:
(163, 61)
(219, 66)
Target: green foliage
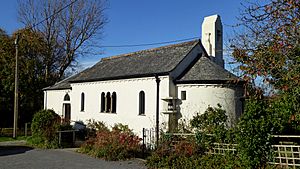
(31, 49)
(261, 120)
(227, 161)
(44, 126)
(5, 138)
(211, 119)
(185, 153)
(211, 127)
(116, 144)
(254, 135)
(288, 106)
(62, 127)
(96, 125)
(119, 127)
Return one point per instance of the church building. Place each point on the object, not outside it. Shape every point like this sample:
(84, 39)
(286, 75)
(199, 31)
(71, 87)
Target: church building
(155, 86)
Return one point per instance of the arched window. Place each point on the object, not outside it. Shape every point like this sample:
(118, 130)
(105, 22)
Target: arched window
(141, 103)
(102, 102)
(108, 102)
(82, 102)
(67, 97)
(114, 102)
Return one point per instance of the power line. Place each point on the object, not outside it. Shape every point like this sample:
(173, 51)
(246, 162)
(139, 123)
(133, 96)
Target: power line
(146, 44)
(55, 13)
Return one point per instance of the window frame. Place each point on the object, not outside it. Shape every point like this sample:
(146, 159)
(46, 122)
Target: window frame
(67, 97)
(108, 102)
(142, 104)
(114, 102)
(102, 102)
(183, 95)
(82, 102)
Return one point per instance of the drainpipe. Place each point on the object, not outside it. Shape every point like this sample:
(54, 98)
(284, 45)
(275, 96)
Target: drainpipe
(45, 100)
(157, 108)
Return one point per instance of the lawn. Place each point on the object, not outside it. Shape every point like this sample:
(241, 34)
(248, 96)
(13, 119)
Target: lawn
(5, 138)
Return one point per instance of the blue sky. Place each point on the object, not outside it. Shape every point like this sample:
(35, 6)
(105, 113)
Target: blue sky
(145, 21)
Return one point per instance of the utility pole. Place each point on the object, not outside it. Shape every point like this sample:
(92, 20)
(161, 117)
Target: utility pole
(16, 90)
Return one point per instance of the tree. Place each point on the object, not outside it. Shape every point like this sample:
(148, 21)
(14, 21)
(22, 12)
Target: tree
(269, 47)
(68, 33)
(31, 74)
(6, 79)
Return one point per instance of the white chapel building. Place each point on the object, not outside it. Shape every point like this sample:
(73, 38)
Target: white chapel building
(164, 85)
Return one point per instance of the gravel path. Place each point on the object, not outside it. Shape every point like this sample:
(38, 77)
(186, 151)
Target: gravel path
(14, 156)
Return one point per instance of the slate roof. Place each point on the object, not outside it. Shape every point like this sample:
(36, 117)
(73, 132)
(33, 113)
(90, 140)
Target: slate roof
(61, 85)
(205, 70)
(143, 63)
(159, 61)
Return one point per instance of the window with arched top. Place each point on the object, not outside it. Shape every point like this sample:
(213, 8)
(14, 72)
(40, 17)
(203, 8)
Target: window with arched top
(82, 102)
(141, 103)
(102, 102)
(108, 102)
(114, 102)
(67, 97)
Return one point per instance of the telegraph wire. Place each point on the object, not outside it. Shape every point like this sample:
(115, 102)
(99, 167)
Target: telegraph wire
(55, 13)
(146, 44)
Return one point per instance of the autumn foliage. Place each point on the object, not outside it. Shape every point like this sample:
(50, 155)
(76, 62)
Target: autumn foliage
(116, 144)
(268, 50)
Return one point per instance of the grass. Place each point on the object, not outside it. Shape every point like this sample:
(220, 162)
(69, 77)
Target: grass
(5, 138)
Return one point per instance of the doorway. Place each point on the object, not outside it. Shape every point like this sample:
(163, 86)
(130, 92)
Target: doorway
(67, 112)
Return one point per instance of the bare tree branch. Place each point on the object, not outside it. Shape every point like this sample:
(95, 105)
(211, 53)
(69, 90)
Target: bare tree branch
(68, 32)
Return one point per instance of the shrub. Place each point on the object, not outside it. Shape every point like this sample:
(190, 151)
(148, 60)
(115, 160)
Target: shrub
(174, 152)
(211, 127)
(261, 119)
(44, 126)
(96, 125)
(228, 161)
(92, 127)
(116, 144)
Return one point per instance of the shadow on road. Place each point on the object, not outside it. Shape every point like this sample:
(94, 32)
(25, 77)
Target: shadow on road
(12, 150)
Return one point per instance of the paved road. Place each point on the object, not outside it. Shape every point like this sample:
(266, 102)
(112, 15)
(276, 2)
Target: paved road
(22, 157)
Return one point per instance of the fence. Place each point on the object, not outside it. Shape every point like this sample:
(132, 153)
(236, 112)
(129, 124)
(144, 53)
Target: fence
(222, 148)
(66, 138)
(8, 132)
(286, 150)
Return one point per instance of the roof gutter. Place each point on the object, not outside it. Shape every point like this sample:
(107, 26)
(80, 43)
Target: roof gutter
(120, 77)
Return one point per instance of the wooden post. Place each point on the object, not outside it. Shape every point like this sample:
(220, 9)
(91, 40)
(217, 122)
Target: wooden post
(59, 138)
(16, 90)
(144, 143)
(25, 130)
(73, 137)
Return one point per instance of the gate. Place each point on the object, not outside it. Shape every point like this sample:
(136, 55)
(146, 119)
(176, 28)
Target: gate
(149, 139)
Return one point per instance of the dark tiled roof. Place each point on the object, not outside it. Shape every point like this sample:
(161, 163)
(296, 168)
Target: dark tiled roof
(205, 70)
(160, 60)
(64, 84)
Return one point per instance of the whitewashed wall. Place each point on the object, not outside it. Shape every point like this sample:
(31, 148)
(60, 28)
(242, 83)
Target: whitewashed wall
(54, 99)
(127, 111)
(198, 97)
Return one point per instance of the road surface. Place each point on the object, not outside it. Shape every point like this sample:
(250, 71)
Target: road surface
(16, 156)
